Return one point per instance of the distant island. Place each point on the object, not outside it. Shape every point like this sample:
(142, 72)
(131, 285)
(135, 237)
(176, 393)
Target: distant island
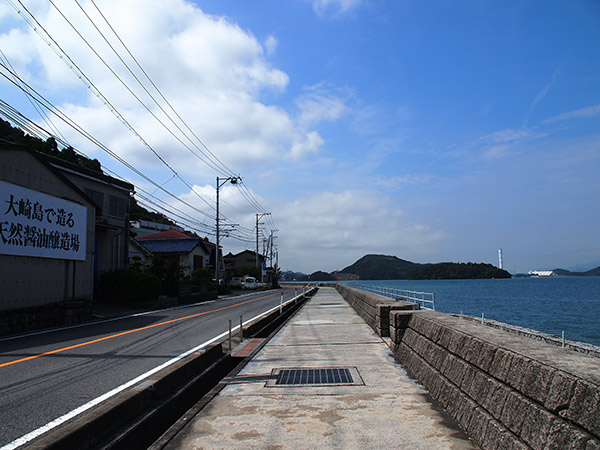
(382, 267)
(560, 273)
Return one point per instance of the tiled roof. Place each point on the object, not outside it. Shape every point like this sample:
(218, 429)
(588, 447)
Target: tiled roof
(168, 234)
(170, 245)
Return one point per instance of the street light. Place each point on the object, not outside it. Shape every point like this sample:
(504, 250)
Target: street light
(220, 182)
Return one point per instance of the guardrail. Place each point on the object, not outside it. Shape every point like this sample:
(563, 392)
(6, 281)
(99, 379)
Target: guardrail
(425, 300)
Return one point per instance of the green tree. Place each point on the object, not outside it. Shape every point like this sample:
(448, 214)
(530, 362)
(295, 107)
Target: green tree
(169, 272)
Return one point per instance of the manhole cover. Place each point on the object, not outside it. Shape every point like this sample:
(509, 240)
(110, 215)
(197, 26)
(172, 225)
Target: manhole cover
(315, 376)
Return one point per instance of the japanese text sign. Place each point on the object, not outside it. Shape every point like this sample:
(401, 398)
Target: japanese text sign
(33, 223)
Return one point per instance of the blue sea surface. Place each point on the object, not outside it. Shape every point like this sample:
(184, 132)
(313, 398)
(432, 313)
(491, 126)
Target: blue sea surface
(547, 304)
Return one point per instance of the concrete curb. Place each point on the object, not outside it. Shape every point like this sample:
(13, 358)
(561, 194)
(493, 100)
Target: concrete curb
(273, 322)
(136, 418)
(95, 429)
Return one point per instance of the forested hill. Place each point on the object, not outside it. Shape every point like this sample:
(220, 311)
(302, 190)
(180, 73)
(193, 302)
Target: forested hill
(566, 273)
(49, 146)
(381, 267)
(450, 271)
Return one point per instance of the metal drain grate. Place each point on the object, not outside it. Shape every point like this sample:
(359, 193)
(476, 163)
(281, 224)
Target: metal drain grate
(314, 376)
(326, 376)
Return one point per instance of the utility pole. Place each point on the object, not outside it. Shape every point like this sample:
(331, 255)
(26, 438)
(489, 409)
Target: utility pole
(271, 249)
(258, 217)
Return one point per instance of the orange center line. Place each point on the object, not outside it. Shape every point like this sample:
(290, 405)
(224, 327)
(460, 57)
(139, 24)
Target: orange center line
(112, 336)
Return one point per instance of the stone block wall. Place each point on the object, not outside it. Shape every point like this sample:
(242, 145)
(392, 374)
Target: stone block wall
(504, 390)
(374, 309)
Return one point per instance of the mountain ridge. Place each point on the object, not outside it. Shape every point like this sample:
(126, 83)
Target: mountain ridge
(388, 267)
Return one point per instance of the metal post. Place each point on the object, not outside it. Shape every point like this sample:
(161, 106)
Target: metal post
(217, 245)
(482, 319)
(241, 330)
(229, 334)
(563, 339)
(281, 303)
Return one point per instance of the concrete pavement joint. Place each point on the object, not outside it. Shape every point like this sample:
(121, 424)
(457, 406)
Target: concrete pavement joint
(388, 411)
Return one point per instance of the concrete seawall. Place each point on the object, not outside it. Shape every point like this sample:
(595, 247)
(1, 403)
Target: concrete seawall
(504, 390)
(374, 309)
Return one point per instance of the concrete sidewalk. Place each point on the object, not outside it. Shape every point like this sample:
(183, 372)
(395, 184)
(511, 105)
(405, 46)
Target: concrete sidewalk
(383, 408)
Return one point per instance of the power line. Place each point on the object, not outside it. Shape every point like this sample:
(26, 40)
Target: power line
(42, 101)
(228, 172)
(73, 66)
(46, 37)
(207, 162)
(39, 110)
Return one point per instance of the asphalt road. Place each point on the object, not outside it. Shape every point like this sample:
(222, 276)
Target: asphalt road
(44, 376)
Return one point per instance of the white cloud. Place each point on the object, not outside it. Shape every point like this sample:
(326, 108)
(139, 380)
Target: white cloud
(334, 7)
(583, 113)
(398, 181)
(504, 143)
(317, 104)
(508, 135)
(340, 227)
(271, 44)
(540, 96)
(497, 151)
(211, 71)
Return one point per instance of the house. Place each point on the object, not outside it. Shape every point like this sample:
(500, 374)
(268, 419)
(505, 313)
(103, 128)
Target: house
(243, 259)
(138, 254)
(111, 197)
(141, 228)
(47, 229)
(190, 252)
(247, 258)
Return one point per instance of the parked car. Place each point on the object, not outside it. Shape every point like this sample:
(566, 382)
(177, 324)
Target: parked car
(249, 283)
(236, 282)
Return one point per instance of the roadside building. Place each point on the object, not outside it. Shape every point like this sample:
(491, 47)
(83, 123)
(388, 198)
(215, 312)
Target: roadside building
(141, 228)
(47, 227)
(244, 259)
(138, 254)
(190, 252)
(111, 196)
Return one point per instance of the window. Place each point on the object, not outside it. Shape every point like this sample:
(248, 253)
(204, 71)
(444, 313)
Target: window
(98, 197)
(117, 207)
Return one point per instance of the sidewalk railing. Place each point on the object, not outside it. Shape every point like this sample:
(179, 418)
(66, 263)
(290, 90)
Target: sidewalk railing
(425, 300)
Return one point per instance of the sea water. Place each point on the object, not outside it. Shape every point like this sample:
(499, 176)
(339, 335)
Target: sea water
(548, 304)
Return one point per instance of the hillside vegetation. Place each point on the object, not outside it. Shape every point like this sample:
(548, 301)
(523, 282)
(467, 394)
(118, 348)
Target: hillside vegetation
(451, 271)
(382, 267)
(50, 147)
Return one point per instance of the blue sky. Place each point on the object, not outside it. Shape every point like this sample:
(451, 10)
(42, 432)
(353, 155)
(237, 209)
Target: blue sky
(432, 131)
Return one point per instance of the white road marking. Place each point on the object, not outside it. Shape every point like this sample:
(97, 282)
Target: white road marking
(77, 411)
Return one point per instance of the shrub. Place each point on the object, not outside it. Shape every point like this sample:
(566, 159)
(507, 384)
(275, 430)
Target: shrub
(202, 280)
(169, 272)
(129, 285)
(202, 275)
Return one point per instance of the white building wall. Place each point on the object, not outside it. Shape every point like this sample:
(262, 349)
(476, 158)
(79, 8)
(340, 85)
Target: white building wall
(27, 281)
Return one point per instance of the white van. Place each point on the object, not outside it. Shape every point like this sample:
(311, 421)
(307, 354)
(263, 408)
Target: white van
(249, 283)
